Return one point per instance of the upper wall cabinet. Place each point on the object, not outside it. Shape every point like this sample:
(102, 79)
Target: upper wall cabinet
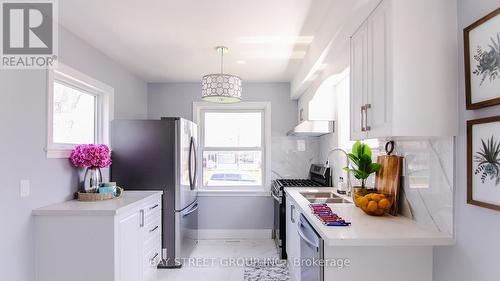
(404, 71)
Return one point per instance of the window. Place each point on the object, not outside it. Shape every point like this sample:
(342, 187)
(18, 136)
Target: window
(74, 113)
(234, 146)
(79, 111)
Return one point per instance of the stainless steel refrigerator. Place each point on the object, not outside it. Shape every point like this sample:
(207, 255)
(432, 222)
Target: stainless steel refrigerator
(162, 155)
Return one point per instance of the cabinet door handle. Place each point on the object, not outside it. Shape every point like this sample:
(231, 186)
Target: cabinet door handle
(153, 259)
(154, 228)
(142, 218)
(292, 209)
(367, 106)
(363, 118)
(153, 207)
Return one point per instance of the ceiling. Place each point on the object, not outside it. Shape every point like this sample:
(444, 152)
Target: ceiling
(174, 40)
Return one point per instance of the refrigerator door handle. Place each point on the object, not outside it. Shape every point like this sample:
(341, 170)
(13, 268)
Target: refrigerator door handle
(193, 209)
(190, 164)
(195, 164)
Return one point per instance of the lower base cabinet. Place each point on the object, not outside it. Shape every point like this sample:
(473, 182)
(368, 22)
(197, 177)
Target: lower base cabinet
(388, 263)
(357, 263)
(292, 239)
(93, 246)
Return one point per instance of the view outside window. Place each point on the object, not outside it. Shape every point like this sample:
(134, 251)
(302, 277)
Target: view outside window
(74, 117)
(233, 149)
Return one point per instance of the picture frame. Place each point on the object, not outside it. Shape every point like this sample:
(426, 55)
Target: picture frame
(483, 162)
(482, 61)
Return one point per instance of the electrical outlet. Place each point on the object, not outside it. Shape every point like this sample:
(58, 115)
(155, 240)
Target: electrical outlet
(24, 188)
(301, 145)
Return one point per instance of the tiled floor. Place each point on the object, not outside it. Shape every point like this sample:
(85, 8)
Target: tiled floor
(216, 260)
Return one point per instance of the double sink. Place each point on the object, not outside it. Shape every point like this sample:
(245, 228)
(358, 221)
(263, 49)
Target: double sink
(324, 197)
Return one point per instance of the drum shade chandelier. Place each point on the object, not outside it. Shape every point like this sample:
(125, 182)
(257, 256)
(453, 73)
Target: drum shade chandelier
(221, 88)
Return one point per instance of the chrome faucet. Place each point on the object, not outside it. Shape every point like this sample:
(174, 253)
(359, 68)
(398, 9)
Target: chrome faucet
(327, 164)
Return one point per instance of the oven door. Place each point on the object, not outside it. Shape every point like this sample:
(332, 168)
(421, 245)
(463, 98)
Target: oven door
(279, 220)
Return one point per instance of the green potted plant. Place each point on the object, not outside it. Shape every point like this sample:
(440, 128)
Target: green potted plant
(362, 166)
(369, 200)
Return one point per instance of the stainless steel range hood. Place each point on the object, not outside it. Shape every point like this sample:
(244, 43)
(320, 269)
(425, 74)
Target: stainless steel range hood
(312, 129)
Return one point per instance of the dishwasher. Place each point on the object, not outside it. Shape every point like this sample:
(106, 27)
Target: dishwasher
(311, 252)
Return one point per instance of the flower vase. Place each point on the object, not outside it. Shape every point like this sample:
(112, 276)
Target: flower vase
(92, 179)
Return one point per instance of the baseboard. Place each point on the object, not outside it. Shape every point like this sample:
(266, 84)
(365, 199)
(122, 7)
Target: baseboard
(207, 234)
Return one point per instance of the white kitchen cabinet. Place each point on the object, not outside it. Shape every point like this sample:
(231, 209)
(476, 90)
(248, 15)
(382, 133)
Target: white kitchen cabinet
(92, 241)
(402, 58)
(292, 239)
(129, 247)
(359, 73)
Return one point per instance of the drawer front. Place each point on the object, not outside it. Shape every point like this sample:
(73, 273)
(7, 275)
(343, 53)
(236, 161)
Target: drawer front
(152, 229)
(152, 253)
(152, 217)
(152, 256)
(152, 207)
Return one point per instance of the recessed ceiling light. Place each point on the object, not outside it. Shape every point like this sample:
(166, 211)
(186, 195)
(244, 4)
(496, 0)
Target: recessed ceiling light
(241, 61)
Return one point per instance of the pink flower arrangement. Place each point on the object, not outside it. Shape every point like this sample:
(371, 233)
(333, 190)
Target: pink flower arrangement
(91, 155)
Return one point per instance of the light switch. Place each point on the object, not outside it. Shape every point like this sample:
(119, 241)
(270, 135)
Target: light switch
(24, 188)
(301, 145)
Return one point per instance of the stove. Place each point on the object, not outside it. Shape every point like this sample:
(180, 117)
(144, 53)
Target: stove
(319, 176)
(296, 183)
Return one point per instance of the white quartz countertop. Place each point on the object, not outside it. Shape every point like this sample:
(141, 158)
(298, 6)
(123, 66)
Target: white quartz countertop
(367, 230)
(112, 207)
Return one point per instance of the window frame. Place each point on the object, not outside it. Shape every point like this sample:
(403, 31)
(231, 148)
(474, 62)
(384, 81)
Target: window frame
(199, 108)
(103, 112)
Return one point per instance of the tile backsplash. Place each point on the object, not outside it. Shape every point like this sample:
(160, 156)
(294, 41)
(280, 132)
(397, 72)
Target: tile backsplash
(428, 181)
(292, 156)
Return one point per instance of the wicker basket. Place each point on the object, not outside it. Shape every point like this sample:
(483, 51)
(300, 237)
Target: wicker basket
(89, 197)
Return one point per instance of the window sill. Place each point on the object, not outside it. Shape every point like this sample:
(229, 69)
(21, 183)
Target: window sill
(58, 153)
(234, 193)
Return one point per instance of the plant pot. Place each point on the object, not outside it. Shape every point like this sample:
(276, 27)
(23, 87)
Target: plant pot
(372, 202)
(92, 179)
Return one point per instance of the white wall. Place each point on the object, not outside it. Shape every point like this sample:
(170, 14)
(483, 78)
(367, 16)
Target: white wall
(175, 99)
(23, 138)
(474, 257)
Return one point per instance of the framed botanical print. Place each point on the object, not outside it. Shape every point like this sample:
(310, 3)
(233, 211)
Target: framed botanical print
(483, 162)
(482, 61)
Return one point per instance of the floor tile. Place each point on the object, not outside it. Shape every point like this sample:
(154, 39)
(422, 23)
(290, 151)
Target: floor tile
(215, 260)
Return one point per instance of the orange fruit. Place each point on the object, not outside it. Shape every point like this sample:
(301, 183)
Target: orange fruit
(372, 206)
(363, 202)
(376, 197)
(384, 204)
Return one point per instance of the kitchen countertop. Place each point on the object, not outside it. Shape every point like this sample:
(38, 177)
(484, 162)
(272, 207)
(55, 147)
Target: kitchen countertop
(367, 230)
(112, 207)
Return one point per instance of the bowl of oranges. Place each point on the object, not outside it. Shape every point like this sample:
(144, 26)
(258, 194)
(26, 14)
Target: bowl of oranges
(373, 202)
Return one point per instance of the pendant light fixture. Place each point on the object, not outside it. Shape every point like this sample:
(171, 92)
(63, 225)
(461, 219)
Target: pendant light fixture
(221, 88)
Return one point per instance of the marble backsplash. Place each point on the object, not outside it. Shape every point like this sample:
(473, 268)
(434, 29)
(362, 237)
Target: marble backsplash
(293, 156)
(428, 181)
(427, 186)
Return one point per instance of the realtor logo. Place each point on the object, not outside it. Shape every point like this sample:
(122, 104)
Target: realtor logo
(28, 34)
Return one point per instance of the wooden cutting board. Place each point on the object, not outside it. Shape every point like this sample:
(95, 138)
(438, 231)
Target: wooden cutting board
(388, 179)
